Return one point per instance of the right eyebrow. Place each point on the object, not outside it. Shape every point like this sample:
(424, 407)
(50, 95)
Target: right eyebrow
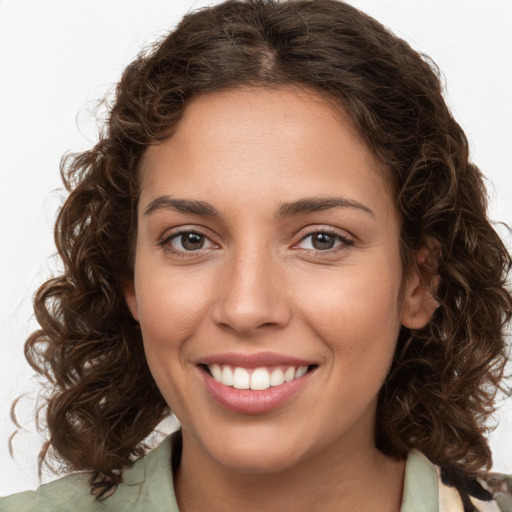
(181, 205)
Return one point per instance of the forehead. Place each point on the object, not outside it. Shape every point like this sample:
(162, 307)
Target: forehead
(285, 138)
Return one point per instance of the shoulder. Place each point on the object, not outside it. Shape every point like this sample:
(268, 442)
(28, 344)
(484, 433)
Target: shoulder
(431, 488)
(490, 492)
(63, 494)
(500, 487)
(147, 485)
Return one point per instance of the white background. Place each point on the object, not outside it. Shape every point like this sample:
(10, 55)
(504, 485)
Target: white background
(58, 57)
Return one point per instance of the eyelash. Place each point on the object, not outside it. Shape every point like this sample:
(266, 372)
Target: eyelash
(166, 242)
(345, 242)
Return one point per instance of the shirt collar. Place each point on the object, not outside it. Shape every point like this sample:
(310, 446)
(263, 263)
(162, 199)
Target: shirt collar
(421, 492)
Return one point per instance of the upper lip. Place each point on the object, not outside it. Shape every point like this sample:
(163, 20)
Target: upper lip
(254, 360)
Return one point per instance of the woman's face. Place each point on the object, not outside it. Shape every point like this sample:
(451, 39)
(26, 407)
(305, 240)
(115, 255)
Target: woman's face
(268, 246)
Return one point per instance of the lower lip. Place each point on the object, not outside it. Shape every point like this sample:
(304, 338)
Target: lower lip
(246, 401)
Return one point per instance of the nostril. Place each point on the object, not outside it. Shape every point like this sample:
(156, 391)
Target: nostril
(268, 324)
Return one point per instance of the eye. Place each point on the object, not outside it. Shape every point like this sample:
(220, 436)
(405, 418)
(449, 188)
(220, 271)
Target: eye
(187, 241)
(324, 241)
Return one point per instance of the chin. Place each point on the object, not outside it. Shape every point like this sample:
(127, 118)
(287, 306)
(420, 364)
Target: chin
(254, 462)
(253, 450)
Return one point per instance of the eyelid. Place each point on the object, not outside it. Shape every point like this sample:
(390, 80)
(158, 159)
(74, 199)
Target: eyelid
(169, 235)
(345, 238)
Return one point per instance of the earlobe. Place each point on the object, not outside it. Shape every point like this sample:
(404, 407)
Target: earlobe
(419, 303)
(130, 297)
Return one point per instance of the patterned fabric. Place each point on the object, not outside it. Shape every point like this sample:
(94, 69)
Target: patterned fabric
(490, 493)
(148, 487)
(428, 488)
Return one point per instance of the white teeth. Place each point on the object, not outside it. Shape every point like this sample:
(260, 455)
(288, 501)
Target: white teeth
(257, 379)
(277, 377)
(260, 379)
(241, 378)
(289, 374)
(216, 372)
(301, 370)
(227, 376)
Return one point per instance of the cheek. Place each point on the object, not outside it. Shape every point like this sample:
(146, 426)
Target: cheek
(170, 309)
(357, 314)
(169, 312)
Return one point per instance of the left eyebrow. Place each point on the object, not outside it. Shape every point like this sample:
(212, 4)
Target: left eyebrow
(316, 204)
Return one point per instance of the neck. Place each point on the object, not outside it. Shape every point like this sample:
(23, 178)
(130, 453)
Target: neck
(340, 479)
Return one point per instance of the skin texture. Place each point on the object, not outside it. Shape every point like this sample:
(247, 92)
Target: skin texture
(258, 285)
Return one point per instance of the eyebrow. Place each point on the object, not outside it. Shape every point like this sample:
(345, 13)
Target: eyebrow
(300, 207)
(316, 204)
(181, 205)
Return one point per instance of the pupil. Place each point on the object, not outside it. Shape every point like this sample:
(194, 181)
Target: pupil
(192, 241)
(323, 241)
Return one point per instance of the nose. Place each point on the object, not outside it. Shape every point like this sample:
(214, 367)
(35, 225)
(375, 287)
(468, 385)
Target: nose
(251, 296)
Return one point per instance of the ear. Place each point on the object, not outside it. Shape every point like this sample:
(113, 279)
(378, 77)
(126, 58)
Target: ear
(130, 297)
(419, 303)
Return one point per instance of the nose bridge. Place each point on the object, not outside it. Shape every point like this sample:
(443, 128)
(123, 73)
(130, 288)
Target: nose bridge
(249, 295)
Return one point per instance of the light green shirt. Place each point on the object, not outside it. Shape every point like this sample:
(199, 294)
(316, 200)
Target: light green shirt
(148, 487)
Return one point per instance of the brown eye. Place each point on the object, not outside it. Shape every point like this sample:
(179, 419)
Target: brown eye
(188, 241)
(192, 241)
(322, 241)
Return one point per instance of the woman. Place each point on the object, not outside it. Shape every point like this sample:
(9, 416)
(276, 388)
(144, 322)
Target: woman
(279, 238)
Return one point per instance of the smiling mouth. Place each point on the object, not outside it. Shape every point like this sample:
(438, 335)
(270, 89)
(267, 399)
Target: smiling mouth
(256, 379)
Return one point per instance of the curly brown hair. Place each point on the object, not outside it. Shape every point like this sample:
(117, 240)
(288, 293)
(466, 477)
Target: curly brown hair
(444, 378)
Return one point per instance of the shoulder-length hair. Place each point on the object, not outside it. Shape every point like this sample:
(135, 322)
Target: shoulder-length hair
(442, 384)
